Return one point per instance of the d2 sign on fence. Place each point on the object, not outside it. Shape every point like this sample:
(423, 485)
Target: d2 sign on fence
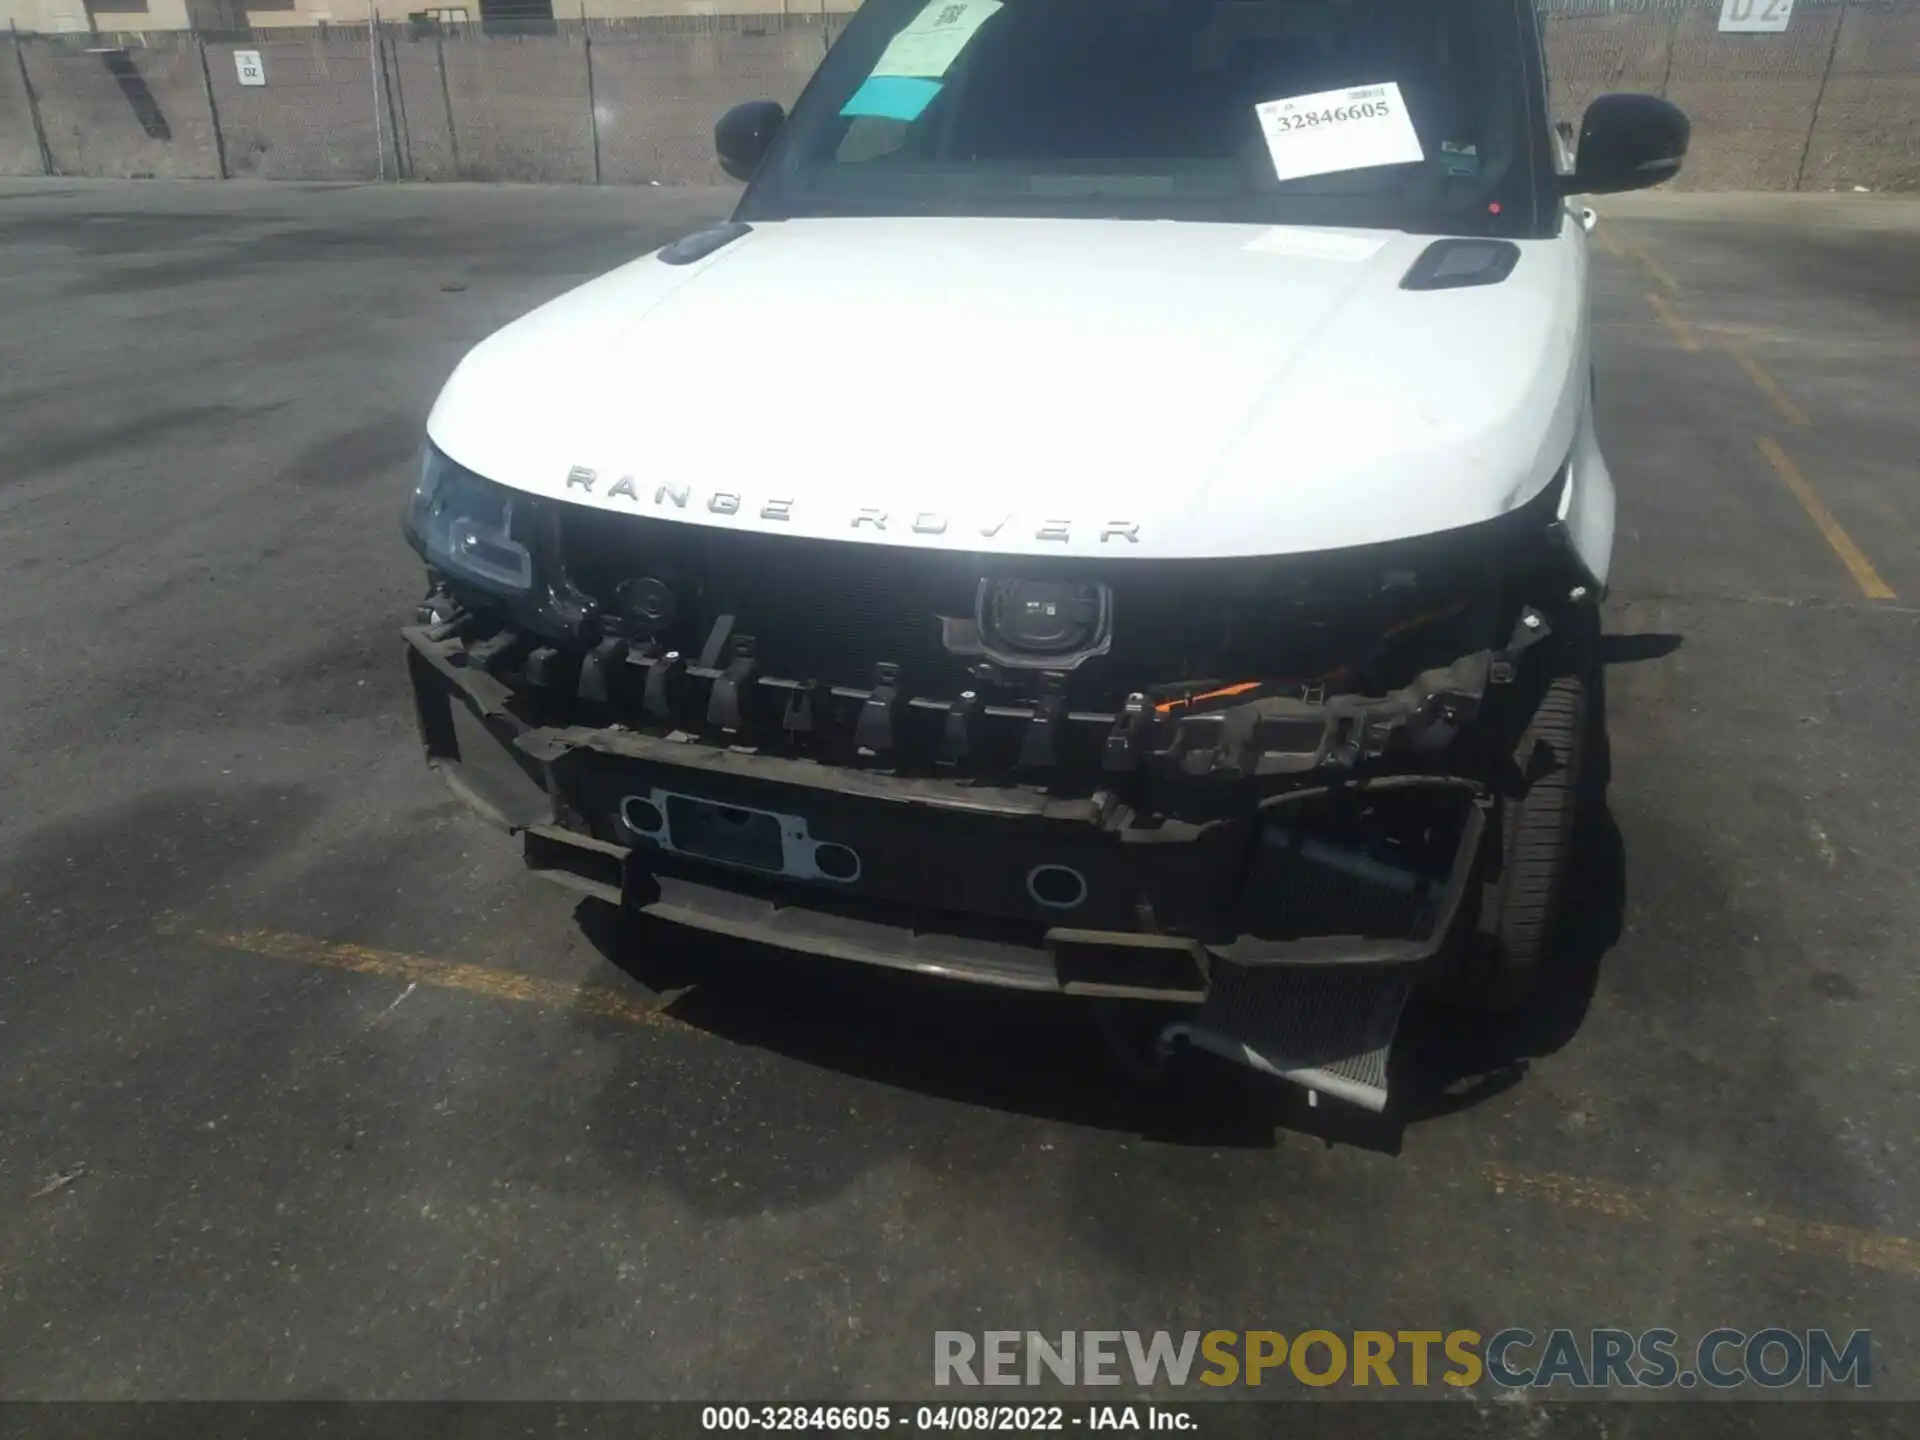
(1751, 16)
(246, 64)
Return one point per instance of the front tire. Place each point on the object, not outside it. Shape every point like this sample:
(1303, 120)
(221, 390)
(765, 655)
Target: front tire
(1538, 815)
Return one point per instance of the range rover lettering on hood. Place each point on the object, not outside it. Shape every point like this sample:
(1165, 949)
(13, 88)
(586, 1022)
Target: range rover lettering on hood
(669, 497)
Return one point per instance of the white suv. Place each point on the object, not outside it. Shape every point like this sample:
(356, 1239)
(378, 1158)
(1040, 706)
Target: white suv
(1116, 510)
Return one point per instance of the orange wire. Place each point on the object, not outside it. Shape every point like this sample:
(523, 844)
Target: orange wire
(1245, 685)
(1166, 707)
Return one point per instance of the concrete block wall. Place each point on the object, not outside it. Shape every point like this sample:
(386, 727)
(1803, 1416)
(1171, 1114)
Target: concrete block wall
(1751, 104)
(1591, 54)
(123, 112)
(314, 119)
(1833, 102)
(1867, 131)
(19, 150)
(658, 96)
(428, 138)
(520, 104)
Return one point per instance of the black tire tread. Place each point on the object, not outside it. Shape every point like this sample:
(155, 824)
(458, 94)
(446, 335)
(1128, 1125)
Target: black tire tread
(1537, 827)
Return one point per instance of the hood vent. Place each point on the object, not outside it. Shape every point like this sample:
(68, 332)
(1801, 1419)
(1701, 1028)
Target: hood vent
(1454, 264)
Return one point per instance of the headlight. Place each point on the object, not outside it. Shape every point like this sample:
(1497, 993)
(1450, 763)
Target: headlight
(465, 526)
(1043, 618)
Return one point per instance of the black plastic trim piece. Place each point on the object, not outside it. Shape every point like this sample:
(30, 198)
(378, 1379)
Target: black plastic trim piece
(702, 243)
(1453, 264)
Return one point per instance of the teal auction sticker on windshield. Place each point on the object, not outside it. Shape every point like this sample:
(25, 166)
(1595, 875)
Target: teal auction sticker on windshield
(1334, 130)
(891, 97)
(934, 38)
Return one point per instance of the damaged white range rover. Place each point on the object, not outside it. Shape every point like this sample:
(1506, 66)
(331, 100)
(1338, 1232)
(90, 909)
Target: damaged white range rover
(1115, 511)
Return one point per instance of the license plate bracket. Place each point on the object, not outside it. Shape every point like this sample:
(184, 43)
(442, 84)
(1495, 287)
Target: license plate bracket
(745, 837)
(728, 834)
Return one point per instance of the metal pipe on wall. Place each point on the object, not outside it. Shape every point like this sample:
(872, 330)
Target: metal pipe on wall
(373, 77)
(33, 101)
(213, 109)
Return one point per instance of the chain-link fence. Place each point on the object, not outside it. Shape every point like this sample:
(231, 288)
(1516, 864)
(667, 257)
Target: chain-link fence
(1831, 102)
(320, 116)
(657, 91)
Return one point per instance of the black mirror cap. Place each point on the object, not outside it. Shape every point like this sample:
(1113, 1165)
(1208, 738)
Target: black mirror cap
(1628, 142)
(744, 133)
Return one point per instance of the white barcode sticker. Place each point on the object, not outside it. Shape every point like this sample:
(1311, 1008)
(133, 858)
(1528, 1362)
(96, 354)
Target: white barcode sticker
(1336, 130)
(934, 38)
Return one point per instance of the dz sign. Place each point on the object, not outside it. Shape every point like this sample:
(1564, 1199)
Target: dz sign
(1751, 16)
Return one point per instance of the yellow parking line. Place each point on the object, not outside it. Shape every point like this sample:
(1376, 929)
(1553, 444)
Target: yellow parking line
(1762, 381)
(1673, 322)
(1765, 384)
(1861, 568)
(1654, 268)
(443, 974)
(1609, 242)
(1893, 1254)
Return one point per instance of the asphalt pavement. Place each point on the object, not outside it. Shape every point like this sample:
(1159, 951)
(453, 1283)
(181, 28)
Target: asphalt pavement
(307, 1090)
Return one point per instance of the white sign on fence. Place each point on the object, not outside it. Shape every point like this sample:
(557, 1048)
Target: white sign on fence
(1750, 16)
(246, 64)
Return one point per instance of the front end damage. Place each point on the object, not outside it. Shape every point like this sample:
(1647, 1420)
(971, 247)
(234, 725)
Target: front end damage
(1260, 793)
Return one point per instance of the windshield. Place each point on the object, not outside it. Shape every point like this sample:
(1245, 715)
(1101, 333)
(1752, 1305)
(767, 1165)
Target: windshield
(1408, 114)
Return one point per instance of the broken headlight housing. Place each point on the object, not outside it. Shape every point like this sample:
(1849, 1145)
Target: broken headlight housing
(465, 526)
(1427, 636)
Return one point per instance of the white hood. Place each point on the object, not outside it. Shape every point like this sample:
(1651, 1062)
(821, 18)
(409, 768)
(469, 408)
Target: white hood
(1131, 389)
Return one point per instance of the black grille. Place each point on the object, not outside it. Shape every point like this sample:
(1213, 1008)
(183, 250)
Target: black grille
(815, 608)
(833, 612)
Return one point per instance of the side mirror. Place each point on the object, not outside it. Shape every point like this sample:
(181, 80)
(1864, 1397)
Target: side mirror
(743, 135)
(1628, 142)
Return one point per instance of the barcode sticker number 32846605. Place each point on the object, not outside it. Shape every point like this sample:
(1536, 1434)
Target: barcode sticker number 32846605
(1334, 130)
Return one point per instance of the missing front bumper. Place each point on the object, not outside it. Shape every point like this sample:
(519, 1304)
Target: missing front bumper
(945, 885)
(938, 858)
